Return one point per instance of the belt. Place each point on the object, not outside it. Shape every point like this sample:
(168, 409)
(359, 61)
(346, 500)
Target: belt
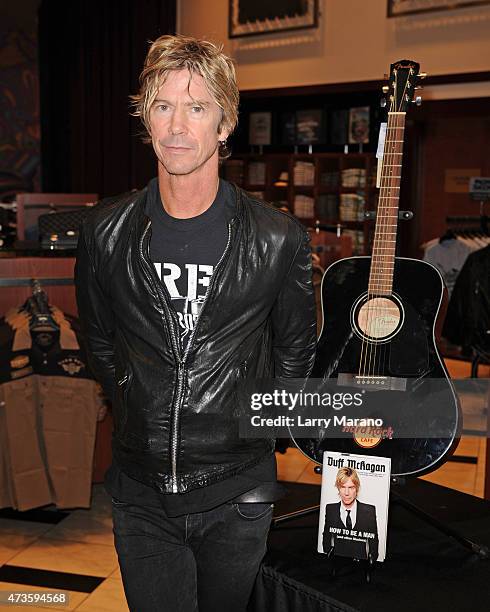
(265, 493)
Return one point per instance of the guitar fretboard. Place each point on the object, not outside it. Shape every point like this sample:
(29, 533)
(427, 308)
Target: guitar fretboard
(384, 245)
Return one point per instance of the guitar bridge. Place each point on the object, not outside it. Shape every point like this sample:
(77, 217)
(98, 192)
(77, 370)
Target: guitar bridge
(372, 383)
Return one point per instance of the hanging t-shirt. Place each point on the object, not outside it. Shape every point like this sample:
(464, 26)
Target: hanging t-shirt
(448, 256)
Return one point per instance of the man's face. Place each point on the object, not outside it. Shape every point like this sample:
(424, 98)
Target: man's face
(184, 121)
(348, 493)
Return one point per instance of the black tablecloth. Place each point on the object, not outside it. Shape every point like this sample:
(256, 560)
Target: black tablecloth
(424, 568)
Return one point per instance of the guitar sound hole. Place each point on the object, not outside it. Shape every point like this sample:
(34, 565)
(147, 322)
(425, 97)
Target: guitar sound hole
(377, 319)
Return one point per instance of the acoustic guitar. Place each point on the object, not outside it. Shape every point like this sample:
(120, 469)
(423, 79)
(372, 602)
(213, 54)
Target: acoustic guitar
(378, 334)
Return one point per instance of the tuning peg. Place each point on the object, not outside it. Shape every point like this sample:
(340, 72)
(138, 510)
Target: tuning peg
(418, 100)
(385, 89)
(422, 75)
(382, 102)
(418, 87)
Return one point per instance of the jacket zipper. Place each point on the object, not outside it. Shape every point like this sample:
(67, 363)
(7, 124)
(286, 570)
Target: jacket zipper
(163, 299)
(175, 422)
(177, 351)
(175, 344)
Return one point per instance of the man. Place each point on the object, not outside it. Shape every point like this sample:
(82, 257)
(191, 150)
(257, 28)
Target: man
(350, 525)
(183, 289)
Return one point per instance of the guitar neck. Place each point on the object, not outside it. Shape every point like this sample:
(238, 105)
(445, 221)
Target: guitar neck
(384, 245)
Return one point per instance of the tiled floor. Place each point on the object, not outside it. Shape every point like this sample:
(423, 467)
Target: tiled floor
(77, 554)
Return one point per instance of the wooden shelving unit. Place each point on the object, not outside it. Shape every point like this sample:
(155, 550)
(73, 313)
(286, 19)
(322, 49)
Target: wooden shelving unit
(260, 174)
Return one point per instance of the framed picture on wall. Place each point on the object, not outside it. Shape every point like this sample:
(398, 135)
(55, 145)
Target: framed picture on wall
(397, 8)
(253, 17)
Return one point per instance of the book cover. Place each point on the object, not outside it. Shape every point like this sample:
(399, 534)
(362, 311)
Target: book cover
(260, 128)
(359, 125)
(354, 505)
(310, 127)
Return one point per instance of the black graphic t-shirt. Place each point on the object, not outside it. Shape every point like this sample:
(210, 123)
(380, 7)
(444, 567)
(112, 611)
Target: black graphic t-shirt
(185, 253)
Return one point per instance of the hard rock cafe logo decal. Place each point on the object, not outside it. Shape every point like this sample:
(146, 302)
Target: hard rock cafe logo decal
(71, 365)
(369, 437)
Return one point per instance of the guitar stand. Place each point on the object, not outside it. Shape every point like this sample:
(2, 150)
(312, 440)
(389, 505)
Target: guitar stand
(369, 215)
(403, 215)
(481, 550)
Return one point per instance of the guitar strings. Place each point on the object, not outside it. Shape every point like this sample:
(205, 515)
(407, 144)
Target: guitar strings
(366, 351)
(380, 268)
(390, 227)
(378, 264)
(377, 278)
(374, 286)
(385, 271)
(374, 271)
(393, 226)
(385, 250)
(398, 141)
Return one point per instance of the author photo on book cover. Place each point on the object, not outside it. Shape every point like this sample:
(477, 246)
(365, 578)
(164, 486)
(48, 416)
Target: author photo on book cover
(350, 525)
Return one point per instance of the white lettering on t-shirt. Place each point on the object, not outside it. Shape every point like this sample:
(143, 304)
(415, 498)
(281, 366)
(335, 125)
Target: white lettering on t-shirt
(193, 281)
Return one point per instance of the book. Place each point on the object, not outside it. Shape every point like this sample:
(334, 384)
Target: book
(354, 505)
(310, 127)
(260, 127)
(359, 125)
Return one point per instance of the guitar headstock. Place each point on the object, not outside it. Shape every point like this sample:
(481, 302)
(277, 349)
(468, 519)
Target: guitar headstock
(403, 82)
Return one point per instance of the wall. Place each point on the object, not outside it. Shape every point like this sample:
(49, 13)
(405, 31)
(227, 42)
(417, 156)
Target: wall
(19, 99)
(355, 42)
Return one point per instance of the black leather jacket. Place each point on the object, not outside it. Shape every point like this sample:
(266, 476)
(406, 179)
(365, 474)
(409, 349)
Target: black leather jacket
(175, 414)
(467, 320)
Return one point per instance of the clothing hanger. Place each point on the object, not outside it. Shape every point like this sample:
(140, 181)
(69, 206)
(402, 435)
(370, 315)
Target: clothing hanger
(38, 307)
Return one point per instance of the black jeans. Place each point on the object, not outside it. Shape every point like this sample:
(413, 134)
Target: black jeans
(206, 561)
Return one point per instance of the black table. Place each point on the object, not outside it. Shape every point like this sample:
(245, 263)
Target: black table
(424, 569)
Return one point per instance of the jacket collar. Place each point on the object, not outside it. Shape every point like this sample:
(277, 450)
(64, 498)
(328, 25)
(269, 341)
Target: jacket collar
(140, 198)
